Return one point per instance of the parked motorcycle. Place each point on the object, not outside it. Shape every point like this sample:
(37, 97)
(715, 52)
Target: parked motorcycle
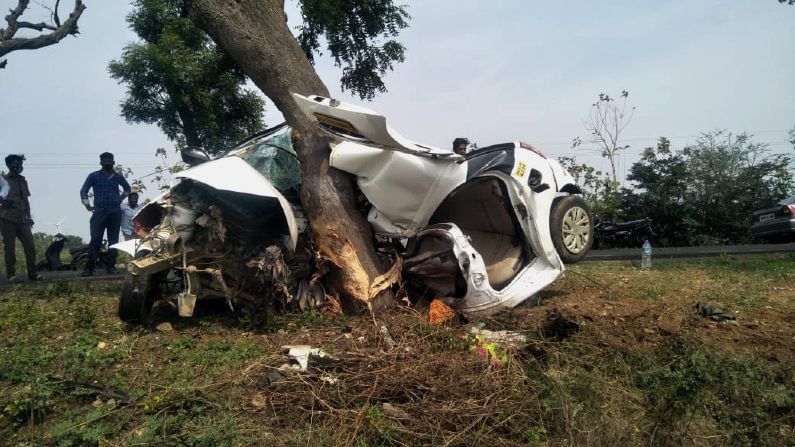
(80, 257)
(622, 234)
(52, 256)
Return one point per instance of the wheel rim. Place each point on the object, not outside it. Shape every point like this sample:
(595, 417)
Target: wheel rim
(576, 229)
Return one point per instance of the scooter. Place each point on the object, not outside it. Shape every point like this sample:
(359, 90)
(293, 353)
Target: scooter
(52, 256)
(80, 257)
(622, 234)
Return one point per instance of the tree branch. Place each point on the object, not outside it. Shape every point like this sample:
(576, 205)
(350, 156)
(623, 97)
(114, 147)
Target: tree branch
(9, 43)
(37, 26)
(11, 19)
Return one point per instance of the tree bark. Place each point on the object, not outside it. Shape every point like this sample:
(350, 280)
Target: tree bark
(256, 35)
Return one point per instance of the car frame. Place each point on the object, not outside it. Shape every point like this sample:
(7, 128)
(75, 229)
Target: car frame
(483, 232)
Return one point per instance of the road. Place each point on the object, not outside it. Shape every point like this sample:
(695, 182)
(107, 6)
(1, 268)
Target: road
(613, 254)
(623, 254)
(100, 275)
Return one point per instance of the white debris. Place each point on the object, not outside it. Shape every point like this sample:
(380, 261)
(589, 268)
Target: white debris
(511, 337)
(301, 354)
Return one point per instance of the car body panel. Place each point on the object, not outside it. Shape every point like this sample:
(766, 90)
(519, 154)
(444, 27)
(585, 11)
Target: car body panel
(233, 174)
(778, 220)
(403, 188)
(360, 124)
(407, 187)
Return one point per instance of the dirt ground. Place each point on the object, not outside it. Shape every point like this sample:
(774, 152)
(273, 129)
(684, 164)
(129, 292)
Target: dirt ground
(634, 324)
(614, 355)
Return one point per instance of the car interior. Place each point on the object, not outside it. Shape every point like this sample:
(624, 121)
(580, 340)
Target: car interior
(481, 209)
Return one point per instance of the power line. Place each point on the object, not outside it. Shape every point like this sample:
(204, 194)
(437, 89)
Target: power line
(631, 139)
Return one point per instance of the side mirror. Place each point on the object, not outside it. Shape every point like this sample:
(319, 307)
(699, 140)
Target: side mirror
(193, 156)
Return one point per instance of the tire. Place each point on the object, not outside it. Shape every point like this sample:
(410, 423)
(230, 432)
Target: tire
(81, 263)
(135, 300)
(571, 227)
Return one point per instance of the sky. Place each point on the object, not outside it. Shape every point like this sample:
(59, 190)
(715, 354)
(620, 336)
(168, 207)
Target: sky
(491, 71)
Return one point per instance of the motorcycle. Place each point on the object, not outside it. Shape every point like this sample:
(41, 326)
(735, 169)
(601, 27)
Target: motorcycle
(80, 257)
(630, 234)
(52, 256)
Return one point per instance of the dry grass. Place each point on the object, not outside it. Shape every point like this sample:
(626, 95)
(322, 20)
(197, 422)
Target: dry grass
(615, 356)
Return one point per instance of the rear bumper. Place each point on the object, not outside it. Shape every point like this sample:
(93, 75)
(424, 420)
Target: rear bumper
(773, 227)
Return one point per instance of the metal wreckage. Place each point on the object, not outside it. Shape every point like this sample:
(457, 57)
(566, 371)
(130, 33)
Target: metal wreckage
(482, 231)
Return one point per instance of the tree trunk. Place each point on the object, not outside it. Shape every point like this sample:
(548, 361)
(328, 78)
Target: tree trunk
(255, 34)
(186, 117)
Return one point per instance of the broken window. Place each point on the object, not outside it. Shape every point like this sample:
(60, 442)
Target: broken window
(273, 156)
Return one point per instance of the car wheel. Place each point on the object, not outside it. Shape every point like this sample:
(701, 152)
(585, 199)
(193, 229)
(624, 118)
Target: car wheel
(571, 225)
(135, 300)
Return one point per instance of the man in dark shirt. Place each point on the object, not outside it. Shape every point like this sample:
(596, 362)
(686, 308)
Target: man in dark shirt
(106, 212)
(15, 220)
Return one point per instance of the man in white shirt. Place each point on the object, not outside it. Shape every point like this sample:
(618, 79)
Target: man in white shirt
(5, 188)
(128, 210)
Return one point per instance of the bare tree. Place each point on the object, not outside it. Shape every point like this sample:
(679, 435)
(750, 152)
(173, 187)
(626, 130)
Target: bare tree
(608, 118)
(57, 30)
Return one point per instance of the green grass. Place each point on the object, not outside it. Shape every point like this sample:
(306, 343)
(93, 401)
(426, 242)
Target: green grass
(743, 282)
(212, 381)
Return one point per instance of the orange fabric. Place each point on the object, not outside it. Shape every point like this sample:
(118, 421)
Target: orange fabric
(440, 313)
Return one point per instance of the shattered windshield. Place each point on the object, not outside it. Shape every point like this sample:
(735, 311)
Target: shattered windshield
(273, 157)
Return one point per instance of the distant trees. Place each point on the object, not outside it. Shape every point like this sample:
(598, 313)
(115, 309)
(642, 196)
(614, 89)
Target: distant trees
(49, 33)
(706, 192)
(178, 79)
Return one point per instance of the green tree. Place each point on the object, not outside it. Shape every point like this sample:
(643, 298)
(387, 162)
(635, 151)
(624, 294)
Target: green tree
(707, 192)
(179, 79)
(353, 30)
(51, 32)
(598, 190)
(661, 193)
(256, 35)
(730, 177)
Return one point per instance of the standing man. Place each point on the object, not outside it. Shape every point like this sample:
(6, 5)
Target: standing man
(128, 210)
(15, 220)
(106, 212)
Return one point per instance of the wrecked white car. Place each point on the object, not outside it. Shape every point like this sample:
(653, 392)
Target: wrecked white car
(483, 232)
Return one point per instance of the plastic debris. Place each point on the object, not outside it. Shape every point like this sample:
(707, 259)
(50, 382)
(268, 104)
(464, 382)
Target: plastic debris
(440, 313)
(300, 355)
(494, 345)
(508, 337)
(390, 343)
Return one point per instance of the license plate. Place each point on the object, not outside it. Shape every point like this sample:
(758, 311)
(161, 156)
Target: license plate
(765, 217)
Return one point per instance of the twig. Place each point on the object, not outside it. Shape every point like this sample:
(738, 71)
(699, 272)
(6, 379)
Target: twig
(362, 413)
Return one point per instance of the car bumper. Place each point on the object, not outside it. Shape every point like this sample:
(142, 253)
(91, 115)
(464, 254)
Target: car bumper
(773, 227)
